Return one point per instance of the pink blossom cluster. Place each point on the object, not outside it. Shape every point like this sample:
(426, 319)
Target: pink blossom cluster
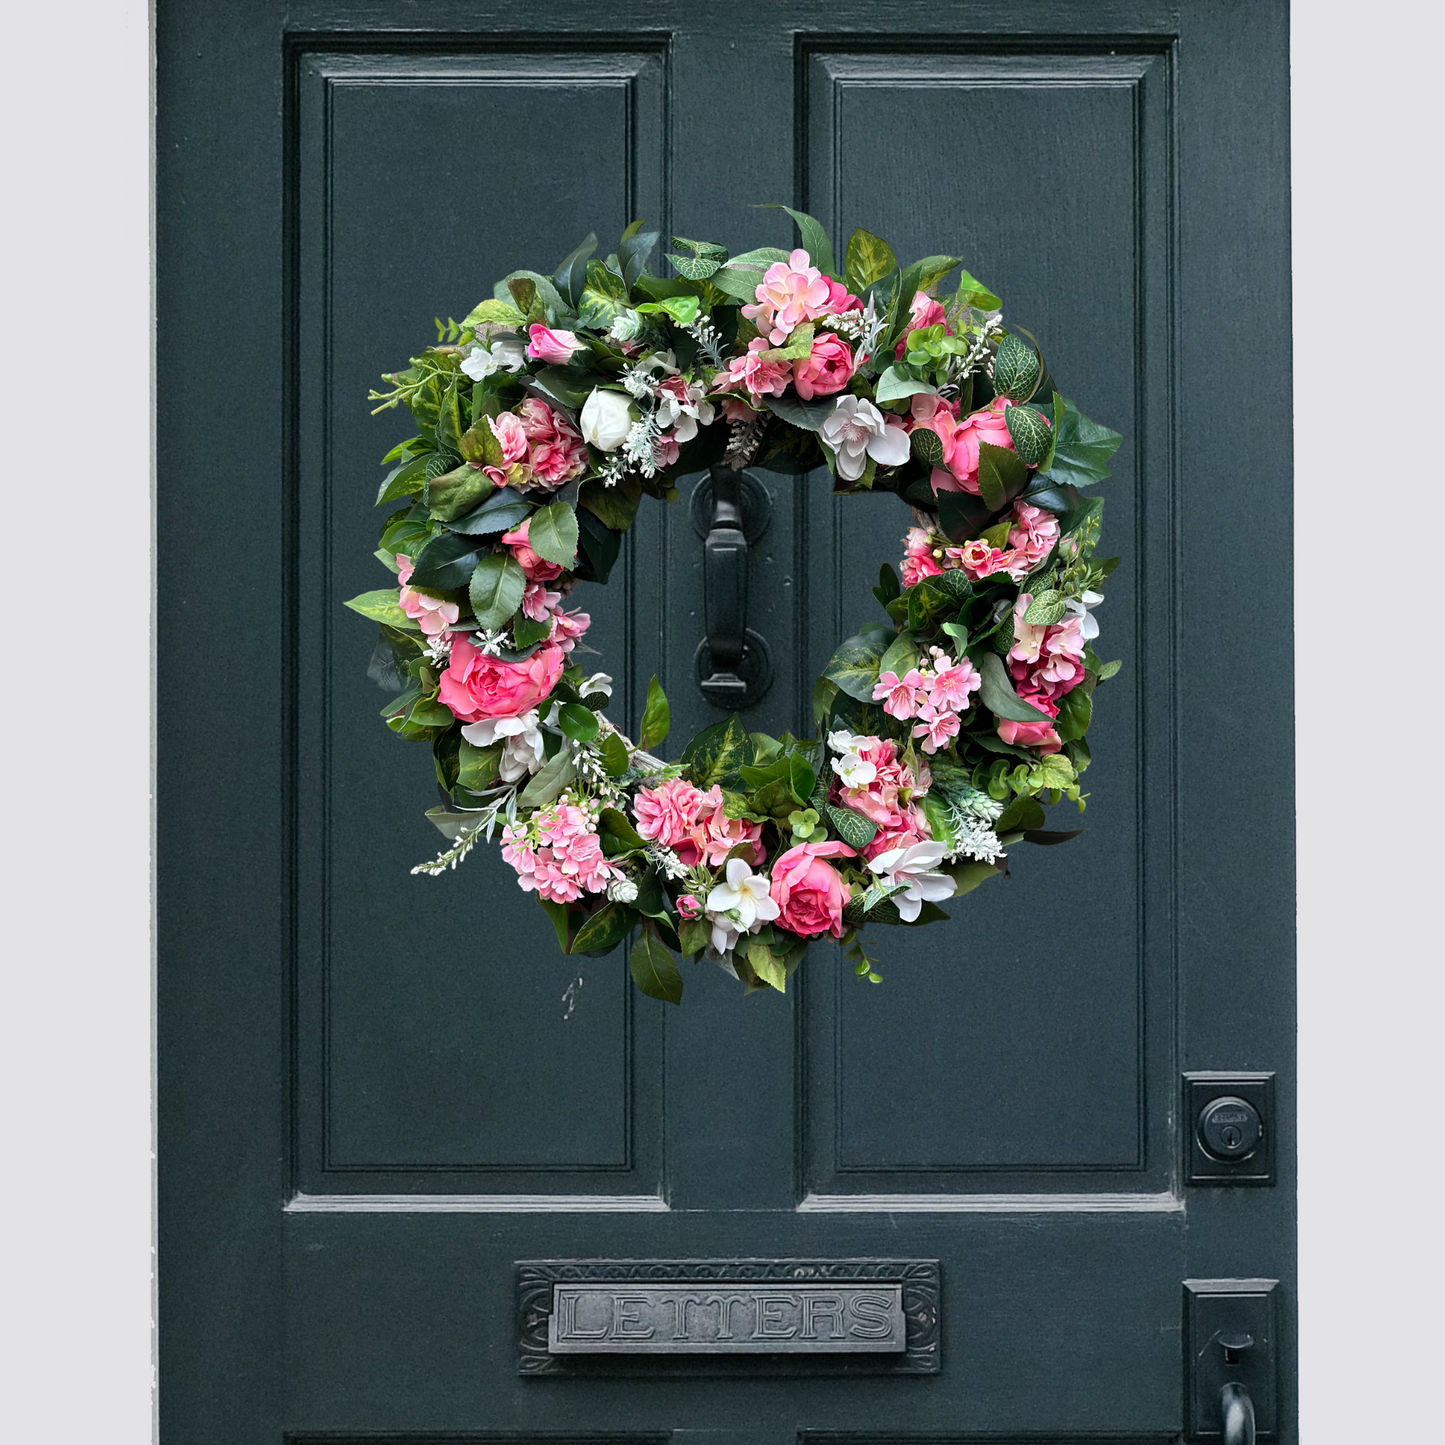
(539, 604)
(959, 472)
(558, 854)
(1030, 540)
(792, 292)
(1045, 662)
(693, 824)
(429, 613)
(936, 693)
(889, 798)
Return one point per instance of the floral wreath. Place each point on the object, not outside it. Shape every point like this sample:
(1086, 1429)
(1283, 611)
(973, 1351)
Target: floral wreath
(546, 414)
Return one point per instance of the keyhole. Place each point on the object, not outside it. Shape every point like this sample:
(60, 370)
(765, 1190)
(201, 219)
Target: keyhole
(1231, 1137)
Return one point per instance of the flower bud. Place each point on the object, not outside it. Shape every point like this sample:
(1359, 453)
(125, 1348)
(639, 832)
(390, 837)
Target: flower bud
(607, 417)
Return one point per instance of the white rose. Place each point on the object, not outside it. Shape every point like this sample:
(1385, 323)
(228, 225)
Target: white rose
(607, 417)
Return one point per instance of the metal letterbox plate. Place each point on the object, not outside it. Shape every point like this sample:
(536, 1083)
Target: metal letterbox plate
(785, 1316)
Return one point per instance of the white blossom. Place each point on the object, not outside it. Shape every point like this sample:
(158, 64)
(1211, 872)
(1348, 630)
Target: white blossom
(740, 905)
(502, 355)
(1079, 606)
(913, 866)
(855, 770)
(598, 682)
(521, 739)
(607, 417)
(856, 431)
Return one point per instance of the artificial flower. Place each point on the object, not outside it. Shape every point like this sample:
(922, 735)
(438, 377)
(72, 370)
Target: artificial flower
(740, 904)
(913, 867)
(856, 431)
(607, 417)
(809, 893)
(554, 347)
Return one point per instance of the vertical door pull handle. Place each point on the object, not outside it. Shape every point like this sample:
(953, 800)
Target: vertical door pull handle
(1236, 1411)
(734, 666)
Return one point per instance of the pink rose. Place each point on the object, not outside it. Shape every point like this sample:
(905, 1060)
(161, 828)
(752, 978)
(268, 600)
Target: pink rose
(918, 560)
(1040, 735)
(809, 893)
(429, 613)
(826, 369)
(551, 346)
(688, 907)
(923, 311)
(791, 292)
(960, 445)
(666, 813)
(538, 569)
(476, 686)
(510, 436)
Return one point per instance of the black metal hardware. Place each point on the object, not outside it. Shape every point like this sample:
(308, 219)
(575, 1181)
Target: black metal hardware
(734, 664)
(1230, 1122)
(1229, 1334)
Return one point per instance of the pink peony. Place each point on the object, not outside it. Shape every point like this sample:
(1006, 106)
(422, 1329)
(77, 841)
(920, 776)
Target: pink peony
(918, 559)
(551, 346)
(901, 697)
(809, 893)
(714, 835)
(666, 813)
(688, 907)
(827, 368)
(791, 292)
(429, 613)
(922, 311)
(1039, 734)
(960, 444)
(760, 378)
(538, 569)
(476, 686)
(510, 436)
(558, 451)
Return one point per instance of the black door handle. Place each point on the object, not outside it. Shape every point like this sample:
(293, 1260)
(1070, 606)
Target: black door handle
(733, 663)
(1236, 1411)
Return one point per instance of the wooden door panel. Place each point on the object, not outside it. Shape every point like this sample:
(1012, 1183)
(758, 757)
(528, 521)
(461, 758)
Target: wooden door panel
(438, 1068)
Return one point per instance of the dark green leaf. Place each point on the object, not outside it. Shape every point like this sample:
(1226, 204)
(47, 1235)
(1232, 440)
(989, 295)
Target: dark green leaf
(634, 249)
(578, 722)
(1002, 475)
(496, 588)
(552, 534)
(599, 544)
(997, 691)
(809, 415)
(617, 833)
(561, 923)
(717, 753)
(571, 272)
(1052, 496)
(614, 755)
(445, 562)
(605, 929)
(854, 667)
(1046, 838)
(1076, 709)
(814, 239)
(656, 717)
(1045, 610)
(403, 480)
(889, 586)
(1081, 448)
(654, 970)
(458, 492)
(616, 505)
(961, 515)
(535, 295)
(694, 935)
(1023, 813)
(501, 512)
(927, 446)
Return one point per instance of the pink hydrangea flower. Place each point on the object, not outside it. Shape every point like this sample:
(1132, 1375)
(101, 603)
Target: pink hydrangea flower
(923, 310)
(429, 613)
(537, 568)
(951, 687)
(1048, 660)
(936, 726)
(791, 292)
(906, 827)
(1032, 537)
(918, 559)
(901, 697)
(666, 813)
(558, 451)
(760, 378)
(735, 409)
(826, 369)
(840, 299)
(886, 797)
(559, 855)
(510, 436)
(553, 347)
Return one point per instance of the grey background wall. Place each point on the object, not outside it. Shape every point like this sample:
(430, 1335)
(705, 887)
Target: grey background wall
(75, 1355)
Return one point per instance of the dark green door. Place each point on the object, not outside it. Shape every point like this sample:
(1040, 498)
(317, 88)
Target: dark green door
(363, 1134)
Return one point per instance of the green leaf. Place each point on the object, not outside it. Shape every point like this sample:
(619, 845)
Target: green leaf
(868, 258)
(599, 543)
(717, 753)
(1029, 432)
(552, 534)
(968, 875)
(496, 588)
(1082, 448)
(1015, 369)
(561, 923)
(542, 301)
(813, 237)
(605, 929)
(1076, 709)
(617, 833)
(799, 346)
(854, 667)
(449, 421)
(702, 248)
(1105, 673)
(455, 493)
(571, 272)
(445, 562)
(1022, 814)
(765, 964)
(634, 249)
(695, 268)
(896, 383)
(477, 767)
(927, 446)
(932, 270)
(1052, 497)
(1046, 609)
(997, 692)
(809, 415)
(961, 516)
(656, 717)
(694, 934)
(479, 443)
(406, 479)
(613, 752)
(654, 970)
(616, 505)
(1002, 475)
(568, 389)
(499, 513)
(853, 828)
(578, 722)
(888, 586)
(902, 654)
(382, 606)
(972, 292)
(493, 312)
(554, 776)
